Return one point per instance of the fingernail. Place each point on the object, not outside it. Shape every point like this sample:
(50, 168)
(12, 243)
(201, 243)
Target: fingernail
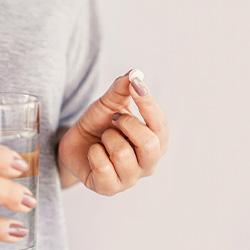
(18, 230)
(19, 164)
(139, 87)
(29, 201)
(116, 116)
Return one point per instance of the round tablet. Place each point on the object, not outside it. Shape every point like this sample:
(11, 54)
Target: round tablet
(136, 73)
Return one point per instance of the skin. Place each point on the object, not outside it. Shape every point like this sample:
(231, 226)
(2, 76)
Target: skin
(11, 194)
(111, 156)
(108, 156)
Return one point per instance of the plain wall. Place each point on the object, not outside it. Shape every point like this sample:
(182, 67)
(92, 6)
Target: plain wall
(195, 55)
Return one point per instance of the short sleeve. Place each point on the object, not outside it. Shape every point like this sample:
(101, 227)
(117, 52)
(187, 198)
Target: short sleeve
(82, 65)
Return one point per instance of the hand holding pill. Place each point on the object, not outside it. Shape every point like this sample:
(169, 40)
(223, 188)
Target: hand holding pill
(111, 149)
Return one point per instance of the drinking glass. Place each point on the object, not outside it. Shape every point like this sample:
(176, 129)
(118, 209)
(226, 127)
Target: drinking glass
(19, 130)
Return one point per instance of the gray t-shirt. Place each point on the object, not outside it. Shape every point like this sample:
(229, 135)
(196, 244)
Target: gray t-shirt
(50, 48)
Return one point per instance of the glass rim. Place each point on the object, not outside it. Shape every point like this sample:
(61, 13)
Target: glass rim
(32, 98)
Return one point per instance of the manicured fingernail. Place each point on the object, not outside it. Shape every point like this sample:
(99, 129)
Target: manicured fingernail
(116, 116)
(29, 201)
(136, 77)
(139, 87)
(19, 164)
(18, 230)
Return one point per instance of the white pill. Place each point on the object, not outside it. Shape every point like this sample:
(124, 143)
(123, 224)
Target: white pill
(136, 73)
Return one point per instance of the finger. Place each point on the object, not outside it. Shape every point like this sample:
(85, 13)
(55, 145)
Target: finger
(12, 231)
(11, 163)
(102, 178)
(147, 105)
(15, 196)
(147, 144)
(122, 156)
(97, 118)
(118, 96)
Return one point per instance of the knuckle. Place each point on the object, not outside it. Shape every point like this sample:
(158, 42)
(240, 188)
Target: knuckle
(108, 191)
(11, 194)
(107, 133)
(100, 168)
(15, 194)
(151, 144)
(94, 148)
(120, 154)
(12, 198)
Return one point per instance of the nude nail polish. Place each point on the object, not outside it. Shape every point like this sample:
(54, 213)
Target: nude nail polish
(29, 201)
(116, 116)
(139, 87)
(18, 230)
(19, 164)
(136, 77)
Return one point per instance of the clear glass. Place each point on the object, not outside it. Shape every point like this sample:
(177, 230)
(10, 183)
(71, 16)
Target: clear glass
(19, 130)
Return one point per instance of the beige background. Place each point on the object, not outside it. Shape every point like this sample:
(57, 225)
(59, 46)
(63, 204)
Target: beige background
(195, 54)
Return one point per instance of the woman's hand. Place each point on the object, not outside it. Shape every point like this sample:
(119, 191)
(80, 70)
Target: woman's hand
(109, 148)
(13, 196)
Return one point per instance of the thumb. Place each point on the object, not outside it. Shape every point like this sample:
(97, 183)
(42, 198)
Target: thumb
(117, 96)
(98, 116)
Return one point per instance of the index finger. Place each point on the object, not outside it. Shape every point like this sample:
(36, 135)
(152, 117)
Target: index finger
(146, 103)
